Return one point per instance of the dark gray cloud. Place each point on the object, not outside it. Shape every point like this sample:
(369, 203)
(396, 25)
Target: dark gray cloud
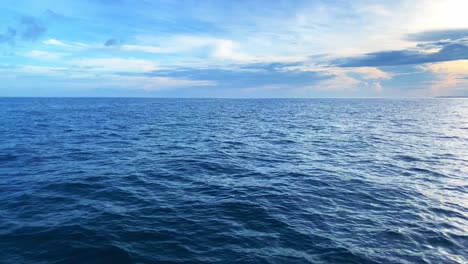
(448, 52)
(111, 42)
(452, 45)
(434, 44)
(437, 35)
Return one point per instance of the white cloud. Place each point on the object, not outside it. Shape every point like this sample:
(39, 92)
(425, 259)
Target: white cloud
(368, 72)
(346, 79)
(365, 73)
(227, 50)
(44, 55)
(161, 83)
(265, 88)
(148, 49)
(69, 45)
(91, 67)
(339, 83)
(172, 44)
(116, 64)
(40, 70)
(219, 49)
(376, 86)
(55, 42)
(91, 79)
(450, 76)
(149, 84)
(342, 79)
(458, 67)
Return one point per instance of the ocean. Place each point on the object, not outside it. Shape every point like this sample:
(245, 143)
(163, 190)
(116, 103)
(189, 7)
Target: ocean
(120, 180)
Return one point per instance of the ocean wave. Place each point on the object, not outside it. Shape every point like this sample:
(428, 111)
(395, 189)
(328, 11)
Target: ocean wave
(232, 181)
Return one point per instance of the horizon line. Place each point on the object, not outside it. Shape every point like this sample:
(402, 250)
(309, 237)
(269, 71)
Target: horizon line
(154, 97)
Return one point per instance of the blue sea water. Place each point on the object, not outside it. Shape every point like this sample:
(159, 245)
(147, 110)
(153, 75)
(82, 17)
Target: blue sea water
(233, 181)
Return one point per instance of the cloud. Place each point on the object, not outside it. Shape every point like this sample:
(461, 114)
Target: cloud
(44, 55)
(31, 28)
(369, 73)
(228, 50)
(8, 36)
(351, 79)
(42, 70)
(280, 77)
(52, 14)
(451, 75)
(27, 29)
(160, 83)
(85, 79)
(108, 2)
(148, 84)
(354, 79)
(366, 73)
(202, 42)
(111, 42)
(448, 52)
(116, 65)
(55, 42)
(436, 35)
(338, 83)
(433, 46)
(147, 49)
(8, 66)
(216, 49)
(246, 76)
(69, 45)
(459, 67)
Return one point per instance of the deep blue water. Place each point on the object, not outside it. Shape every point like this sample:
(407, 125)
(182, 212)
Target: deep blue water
(233, 181)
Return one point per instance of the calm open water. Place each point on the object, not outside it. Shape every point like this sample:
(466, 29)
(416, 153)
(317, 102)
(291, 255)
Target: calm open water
(233, 181)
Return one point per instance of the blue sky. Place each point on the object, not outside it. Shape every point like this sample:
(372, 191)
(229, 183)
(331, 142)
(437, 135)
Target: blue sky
(233, 48)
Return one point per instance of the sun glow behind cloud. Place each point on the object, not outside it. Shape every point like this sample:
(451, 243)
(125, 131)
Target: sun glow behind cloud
(447, 14)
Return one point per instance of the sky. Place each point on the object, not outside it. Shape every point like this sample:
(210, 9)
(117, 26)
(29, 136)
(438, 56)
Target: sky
(237, 48)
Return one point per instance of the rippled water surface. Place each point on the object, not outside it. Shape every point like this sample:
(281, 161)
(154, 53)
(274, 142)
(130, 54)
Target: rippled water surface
(233, 181)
